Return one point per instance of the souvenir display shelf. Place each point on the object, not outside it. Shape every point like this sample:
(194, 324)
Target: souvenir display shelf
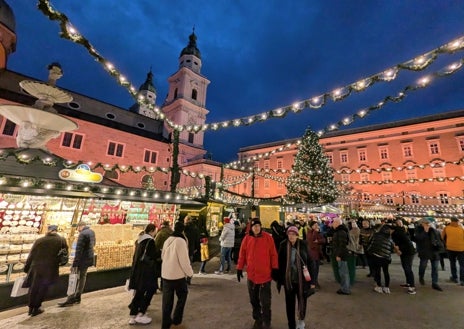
(25, 218)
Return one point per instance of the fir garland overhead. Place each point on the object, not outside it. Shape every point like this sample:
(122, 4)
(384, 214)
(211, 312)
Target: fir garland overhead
(416, 64)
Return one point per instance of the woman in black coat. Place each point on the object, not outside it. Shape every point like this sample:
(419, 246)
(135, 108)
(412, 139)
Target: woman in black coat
(42, 267)
(293, 256)
(144, 273)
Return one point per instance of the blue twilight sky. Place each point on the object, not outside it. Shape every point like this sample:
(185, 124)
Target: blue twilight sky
(258, 54)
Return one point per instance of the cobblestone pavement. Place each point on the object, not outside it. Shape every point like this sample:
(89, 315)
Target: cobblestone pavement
(219, 301)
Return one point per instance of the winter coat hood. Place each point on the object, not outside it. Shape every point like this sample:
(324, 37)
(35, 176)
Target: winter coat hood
(144, 236)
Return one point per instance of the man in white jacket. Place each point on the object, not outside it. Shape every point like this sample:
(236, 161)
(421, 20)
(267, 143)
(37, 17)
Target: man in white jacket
(174, 272)
(227, 240)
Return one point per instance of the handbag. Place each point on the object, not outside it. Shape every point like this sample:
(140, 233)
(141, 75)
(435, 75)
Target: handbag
(145, 259)
(63, 255)
(18, 289)
(306, 274)
(73, 280)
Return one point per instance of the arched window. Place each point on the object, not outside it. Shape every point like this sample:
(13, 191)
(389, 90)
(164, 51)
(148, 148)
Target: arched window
(147, 182)
(113, 174)
(194, 94)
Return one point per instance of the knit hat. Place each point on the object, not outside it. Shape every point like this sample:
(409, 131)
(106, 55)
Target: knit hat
(292, 229)
(179, 226)
(226, 220)
(255, 221)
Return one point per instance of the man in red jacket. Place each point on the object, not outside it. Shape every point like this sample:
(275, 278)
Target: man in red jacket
(259, 255)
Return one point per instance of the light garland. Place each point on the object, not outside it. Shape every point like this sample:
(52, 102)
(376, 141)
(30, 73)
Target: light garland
(362, 113)
(418, 63)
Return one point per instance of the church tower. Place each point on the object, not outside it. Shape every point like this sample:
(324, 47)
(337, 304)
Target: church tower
(186, 99)
(147, 92)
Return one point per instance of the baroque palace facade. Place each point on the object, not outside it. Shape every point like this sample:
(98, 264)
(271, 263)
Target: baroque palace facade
(411, 166)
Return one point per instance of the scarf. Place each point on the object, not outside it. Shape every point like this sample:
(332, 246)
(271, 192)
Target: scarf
(288, 275)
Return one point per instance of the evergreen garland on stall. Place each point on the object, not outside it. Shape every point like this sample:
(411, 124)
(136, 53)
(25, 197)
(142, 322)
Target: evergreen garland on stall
(312, 179)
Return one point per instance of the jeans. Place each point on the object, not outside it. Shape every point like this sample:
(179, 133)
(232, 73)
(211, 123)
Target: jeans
(260, 300)
(453, 257)
(203, 266)
(379, 263)
(290, 296)
(225, 257)
(141, 300)
(406, 263)
(169, 288)
(423, 265)
(344, 276)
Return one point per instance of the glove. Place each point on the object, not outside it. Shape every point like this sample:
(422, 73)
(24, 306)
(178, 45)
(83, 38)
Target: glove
(275, 274)
(279, 286)
(239, 275)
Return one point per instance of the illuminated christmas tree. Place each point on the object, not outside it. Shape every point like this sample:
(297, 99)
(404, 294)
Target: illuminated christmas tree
(312, 179)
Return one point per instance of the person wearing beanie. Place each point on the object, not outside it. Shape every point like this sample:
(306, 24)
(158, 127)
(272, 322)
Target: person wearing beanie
(174, 272)
(453, 235)
(315, 241)
(259, 256)
(42, 268)
(226, 239)
(294, 260)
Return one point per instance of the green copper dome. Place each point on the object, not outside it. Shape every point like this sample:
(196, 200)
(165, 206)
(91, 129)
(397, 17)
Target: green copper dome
(191, 48)
(148, 84)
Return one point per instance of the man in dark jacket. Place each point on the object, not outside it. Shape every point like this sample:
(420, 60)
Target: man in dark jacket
(42, 267)
(340, 254)
(83, 259)
(405, 249)
(429, 246)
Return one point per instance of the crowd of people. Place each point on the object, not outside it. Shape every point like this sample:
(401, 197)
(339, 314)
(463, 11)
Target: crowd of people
(288, 254)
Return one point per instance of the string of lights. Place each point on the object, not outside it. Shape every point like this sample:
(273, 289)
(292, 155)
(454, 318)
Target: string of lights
(418, 63)
(421, 83)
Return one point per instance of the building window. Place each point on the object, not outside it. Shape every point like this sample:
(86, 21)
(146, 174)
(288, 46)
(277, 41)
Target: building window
(364, 177)
(147, 182)
(150, 156)
(115, 149)
(439, 172)
(256, 165)
(9, 127)
(190, 137)
(415, 198)
(267, 183)
(175, 93)
(280, 163)
(194, 94)
(113, 174)
(366, 197)
(266, 164)
(407, 151)
(329, 158)
(387, 177)
(383, 153)
(461, 143)
(344, 157)
(72, 140)
(443, 198)
(362, 155)
(280, 185)
(256, 183)
(345, 177)
(389, 200)
(434, 148)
